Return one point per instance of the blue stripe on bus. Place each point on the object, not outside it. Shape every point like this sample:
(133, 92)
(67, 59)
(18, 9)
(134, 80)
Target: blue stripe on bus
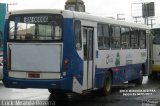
(75, 67)
(120, 74)
(62, 84)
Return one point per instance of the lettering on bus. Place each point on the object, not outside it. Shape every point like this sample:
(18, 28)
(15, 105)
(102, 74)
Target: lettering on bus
(37, 19)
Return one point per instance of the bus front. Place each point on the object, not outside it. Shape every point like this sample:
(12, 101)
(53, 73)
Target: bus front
(156, 53)
(33, 51)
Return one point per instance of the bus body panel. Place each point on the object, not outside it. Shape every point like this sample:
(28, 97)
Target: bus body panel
(121, 74)
(37, 57)
(156, 58)
(75, 65)
(61, 84)
(155, 70)
(125, 65)
(128, 66)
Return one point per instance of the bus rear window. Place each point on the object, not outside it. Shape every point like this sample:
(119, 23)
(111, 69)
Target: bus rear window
(35, 27)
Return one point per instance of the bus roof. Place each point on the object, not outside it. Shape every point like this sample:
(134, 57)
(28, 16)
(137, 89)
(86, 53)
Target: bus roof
(81, 16)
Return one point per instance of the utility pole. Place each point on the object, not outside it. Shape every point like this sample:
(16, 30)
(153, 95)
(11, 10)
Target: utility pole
(152, 22)
(136, 19)
(76, 5)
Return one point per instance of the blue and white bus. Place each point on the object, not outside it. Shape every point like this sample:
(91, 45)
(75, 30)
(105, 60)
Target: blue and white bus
(155, 53)
(66, 51)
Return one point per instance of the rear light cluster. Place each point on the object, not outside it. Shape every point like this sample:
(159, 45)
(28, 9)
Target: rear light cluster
(65, 64)
(65, 67)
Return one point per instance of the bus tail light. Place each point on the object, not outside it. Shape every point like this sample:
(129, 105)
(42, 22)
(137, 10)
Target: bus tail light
(66, 61)
(65, 65)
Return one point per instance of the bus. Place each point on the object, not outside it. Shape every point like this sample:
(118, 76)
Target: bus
(66, 51)
(155, 53)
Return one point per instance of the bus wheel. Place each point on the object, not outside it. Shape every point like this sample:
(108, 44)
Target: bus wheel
(106, 90)
(140, 79)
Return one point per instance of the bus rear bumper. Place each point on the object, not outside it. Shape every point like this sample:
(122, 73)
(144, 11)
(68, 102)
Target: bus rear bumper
(60, 84)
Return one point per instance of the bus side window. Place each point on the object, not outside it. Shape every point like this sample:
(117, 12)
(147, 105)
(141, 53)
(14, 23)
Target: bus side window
(103, 36)
(142, 39)
(125, 38)
(100, 36)
(115, 37)
(85, 43)
(78, 37)
(106, 36)
(134, 39)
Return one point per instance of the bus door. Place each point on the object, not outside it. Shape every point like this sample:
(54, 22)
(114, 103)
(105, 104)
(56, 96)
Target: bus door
(88, 57)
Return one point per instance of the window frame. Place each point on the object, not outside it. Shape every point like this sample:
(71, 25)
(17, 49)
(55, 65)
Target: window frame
(61, 25)
(143, 39)
(104, 46)
(111, 26)
(80, 35)
(129, 42)
(131, 39)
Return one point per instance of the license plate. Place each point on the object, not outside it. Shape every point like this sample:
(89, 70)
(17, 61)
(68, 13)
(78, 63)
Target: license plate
(34, 75)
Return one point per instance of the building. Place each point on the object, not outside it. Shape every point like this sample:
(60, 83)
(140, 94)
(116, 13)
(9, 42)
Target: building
(75, 5)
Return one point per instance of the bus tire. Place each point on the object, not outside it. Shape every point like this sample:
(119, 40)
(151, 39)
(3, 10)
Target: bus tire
(107, 86)
(139, 80)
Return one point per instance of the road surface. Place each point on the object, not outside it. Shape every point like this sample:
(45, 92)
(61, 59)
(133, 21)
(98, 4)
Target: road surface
(147, 94)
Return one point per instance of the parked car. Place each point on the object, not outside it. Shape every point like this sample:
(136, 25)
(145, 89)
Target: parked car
(1, 68)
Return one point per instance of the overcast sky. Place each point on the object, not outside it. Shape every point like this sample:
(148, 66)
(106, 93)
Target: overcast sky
(106, 8)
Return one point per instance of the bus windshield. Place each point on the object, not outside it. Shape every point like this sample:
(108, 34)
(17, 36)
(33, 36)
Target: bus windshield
(35, 27)
(156, 33)
(156, 39)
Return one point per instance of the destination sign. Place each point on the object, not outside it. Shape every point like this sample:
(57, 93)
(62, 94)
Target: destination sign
(36, 19)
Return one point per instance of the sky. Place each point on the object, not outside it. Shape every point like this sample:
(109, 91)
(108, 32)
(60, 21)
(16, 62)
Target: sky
(105, 8)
